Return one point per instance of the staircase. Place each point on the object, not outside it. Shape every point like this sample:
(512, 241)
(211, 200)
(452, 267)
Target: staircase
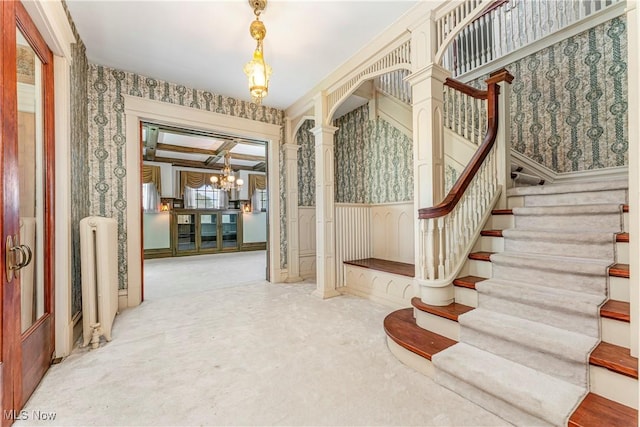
(541, 313)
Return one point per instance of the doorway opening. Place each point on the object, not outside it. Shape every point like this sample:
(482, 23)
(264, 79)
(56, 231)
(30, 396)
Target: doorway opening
(204, 194)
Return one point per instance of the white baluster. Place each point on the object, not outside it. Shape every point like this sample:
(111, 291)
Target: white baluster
(441, 247)
(449, 236)
(423, 249)
(430, 249)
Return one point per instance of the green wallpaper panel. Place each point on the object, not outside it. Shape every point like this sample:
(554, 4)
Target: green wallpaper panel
(373, 161)
(107, 173)
(79, 158)
(306, 164)
(569, 101)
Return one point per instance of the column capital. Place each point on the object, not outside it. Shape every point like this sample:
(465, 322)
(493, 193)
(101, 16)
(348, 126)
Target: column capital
(320, 129)
(431, 71)
(290, 147)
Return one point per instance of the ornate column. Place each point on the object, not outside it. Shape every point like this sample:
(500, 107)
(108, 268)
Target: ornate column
(427, 79)
(291, 165)
(325, 203)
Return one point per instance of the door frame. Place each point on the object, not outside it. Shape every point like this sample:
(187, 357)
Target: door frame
(138, 110)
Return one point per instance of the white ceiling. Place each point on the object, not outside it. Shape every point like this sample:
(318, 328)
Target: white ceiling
(205, 44)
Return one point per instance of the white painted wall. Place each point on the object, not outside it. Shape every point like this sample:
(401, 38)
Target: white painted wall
(156, 229)
(254, 227)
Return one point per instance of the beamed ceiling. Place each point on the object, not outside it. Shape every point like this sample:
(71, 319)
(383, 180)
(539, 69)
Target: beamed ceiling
(200, 149)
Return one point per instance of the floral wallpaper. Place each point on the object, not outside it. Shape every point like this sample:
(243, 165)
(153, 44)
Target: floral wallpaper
(569, 101)
(451, 174)
(107, 171)
(306, 164)
(374, 161)
(79, 158)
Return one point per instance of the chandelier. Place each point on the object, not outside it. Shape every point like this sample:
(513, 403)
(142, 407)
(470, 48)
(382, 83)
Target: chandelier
(257, 70)
(226, 181)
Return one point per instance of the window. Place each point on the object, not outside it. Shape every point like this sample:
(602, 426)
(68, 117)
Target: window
(205, 197)
(260, 200)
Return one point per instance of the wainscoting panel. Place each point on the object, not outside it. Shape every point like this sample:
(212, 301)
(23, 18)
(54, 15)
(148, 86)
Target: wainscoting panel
(392, 231)
(389, 289)
(307, 236)
(353, 238)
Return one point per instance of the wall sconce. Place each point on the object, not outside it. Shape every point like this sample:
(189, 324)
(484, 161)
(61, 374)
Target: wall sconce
(165, 204)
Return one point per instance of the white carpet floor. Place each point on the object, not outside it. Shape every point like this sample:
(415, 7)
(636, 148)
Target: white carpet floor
(215, 344)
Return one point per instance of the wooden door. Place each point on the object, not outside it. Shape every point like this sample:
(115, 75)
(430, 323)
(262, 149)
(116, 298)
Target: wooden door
(27, 223)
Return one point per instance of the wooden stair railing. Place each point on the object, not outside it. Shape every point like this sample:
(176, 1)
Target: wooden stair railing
(449, 229)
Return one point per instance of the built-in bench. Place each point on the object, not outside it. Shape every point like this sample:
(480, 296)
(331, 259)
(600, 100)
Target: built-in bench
(385, 281)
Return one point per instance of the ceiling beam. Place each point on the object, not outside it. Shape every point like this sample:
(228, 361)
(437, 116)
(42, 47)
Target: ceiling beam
(182, 149)
(151, 143)
(260, 167)
(198, 164)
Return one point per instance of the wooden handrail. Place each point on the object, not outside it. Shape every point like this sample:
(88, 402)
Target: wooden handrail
(492, 93)
(466, 89)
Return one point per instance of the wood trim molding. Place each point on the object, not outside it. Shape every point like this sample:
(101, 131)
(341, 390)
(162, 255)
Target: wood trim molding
(451, 200)
(140, 109)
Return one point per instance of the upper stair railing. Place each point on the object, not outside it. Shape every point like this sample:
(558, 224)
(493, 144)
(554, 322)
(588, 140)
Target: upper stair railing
(505, 26)
(449, 229)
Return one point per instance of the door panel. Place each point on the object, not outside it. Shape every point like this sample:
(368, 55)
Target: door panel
(27, 223)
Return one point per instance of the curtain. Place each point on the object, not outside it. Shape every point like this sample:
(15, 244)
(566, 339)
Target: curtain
(150, 197)
(194, 180)
(257, 182)
(151, 175)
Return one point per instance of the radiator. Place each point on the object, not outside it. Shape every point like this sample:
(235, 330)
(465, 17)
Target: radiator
(99, 269)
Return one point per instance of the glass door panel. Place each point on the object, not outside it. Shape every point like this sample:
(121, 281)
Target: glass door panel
(229, 230)
(209, 231)
(30, 175)
(186, 226)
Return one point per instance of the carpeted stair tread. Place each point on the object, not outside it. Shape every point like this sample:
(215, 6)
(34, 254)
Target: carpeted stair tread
(559, 263)
(491, 233)
(615, 358)
(619, 270)
(558, 342)
(401, 327)
(541, 296)
(569, 188)
(451, 311)
(469, 282)
(481, 256)
(617, 310)
(527, 389)
(585, 244)
(598, 411)
(577, 274)
(588, 217)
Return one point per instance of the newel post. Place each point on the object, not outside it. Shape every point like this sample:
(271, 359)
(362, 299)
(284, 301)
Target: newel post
(503, 136)
(427, 86)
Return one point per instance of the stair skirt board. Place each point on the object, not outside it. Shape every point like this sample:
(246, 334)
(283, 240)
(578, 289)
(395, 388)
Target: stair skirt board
(524, 352)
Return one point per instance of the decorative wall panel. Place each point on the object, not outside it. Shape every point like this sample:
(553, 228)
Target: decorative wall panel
(569, 101)
(107, 172)
(306, 164)
(374, 160)
(79, 159)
